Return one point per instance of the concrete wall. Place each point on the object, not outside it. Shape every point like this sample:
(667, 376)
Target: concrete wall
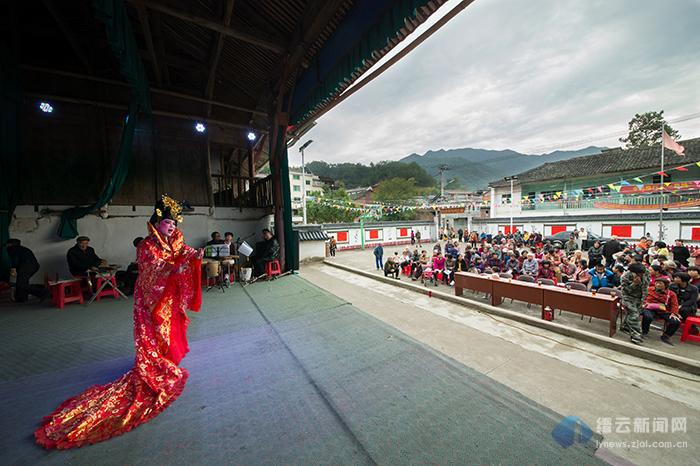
(112, 237)
(312, 250)
(349, 236)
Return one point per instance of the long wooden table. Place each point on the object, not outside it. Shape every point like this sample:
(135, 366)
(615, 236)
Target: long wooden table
(599, 305)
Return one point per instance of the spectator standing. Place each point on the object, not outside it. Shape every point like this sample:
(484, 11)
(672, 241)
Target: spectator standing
(681, 254)
(635, 284)
(379, 256)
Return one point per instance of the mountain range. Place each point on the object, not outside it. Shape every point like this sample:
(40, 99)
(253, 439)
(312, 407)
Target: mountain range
(473, 169)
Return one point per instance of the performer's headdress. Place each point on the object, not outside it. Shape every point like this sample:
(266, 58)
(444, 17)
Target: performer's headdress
(166, 208)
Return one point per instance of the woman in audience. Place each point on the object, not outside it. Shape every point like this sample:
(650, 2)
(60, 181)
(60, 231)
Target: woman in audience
(581, 274)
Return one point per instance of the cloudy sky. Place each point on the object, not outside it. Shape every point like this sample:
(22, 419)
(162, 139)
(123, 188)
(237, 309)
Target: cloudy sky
(528, 75)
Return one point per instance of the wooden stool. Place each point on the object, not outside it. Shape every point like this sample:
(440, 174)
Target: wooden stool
(687, 325)
(65, 291)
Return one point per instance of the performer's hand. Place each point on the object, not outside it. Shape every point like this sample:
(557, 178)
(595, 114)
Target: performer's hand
(200, 253)
(675, 317)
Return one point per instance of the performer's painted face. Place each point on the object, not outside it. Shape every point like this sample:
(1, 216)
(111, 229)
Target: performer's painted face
(166, 227)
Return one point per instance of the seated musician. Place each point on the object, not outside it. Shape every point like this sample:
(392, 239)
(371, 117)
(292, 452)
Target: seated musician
(127, 280)
(265, 251)
(215, 239)
(81, 257)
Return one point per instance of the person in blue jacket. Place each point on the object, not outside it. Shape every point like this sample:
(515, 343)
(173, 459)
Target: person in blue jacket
(601, 276)
(378, 256)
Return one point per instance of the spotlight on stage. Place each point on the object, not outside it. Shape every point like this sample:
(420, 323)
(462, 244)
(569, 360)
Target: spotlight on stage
(200, 127)
(251, 136)
(45, 107)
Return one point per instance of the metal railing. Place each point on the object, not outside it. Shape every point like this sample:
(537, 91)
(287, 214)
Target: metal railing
(631, 201)
(236, 191)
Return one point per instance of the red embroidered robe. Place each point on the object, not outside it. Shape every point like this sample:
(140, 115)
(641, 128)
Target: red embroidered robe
(168, 284)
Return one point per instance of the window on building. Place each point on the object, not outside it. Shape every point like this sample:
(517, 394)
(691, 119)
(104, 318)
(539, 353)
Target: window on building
(657, 179)
(296, 177)
(505, 198)
(297, 199)
(297, 188)
(308, 182)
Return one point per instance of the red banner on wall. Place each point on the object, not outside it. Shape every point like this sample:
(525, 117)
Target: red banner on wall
(558, 229)
(695, 236)
(374, 234)
(623, 231)
(341, 237)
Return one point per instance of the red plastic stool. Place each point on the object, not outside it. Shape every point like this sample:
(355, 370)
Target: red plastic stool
(65, 291)
(687, 325)
(273, 268)
(108, 290)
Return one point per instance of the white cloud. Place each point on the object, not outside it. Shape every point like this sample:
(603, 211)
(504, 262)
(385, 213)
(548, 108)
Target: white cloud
(524, 75)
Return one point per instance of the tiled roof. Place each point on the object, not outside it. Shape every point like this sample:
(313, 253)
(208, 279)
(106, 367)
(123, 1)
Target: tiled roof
(612, 161)
(313, 233)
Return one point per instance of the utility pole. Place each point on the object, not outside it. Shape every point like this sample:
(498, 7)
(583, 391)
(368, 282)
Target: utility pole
(303, 178)
(442, 169)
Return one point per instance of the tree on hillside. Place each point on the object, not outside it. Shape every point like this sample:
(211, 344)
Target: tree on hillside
(355, 175)
(645, 130)
(395, 190)
(323, 213)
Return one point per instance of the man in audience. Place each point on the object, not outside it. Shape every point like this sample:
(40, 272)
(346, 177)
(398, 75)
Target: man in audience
(694, 273)
(81, 257)
(23, 261)
(571, 245)
(610, 248)
(687, 295)
(618, 272)
(600, 276)
(378, 256)
(530, 266)
(391, 268)
(661, 303)
(681, 254)
(635, 284)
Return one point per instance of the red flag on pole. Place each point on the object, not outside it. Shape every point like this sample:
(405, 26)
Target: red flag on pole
(669, 143)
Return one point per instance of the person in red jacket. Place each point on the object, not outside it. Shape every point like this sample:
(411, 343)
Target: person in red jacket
(546, 271)
(661, 303)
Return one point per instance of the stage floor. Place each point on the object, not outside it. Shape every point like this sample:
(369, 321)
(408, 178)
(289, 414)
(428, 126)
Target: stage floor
(281, 372)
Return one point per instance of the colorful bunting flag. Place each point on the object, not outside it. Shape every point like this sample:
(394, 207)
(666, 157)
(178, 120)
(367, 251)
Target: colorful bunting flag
(681, 169)
(637, 179)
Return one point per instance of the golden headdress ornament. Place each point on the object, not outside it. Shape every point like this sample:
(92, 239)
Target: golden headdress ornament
(167, 207)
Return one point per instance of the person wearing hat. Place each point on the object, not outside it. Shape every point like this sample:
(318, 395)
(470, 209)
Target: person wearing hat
(661, 303)
(168, 285)
(634, 287)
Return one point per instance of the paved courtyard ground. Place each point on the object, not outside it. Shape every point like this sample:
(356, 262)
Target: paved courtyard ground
(564, 374)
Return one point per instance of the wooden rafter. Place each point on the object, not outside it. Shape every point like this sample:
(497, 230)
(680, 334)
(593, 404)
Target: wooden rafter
(229, 31)
(148, 38)
(153, 89)
(69, 34)
(317, 15)
(216, 53)
(160, 46)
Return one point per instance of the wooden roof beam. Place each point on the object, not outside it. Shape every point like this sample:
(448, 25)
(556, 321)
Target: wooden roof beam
(160, 46)
(153, 89)
(148, 38)
(208, 23)
(216, 53)
(70, 36)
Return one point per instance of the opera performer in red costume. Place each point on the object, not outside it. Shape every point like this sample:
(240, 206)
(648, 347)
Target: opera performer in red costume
(167, 285)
